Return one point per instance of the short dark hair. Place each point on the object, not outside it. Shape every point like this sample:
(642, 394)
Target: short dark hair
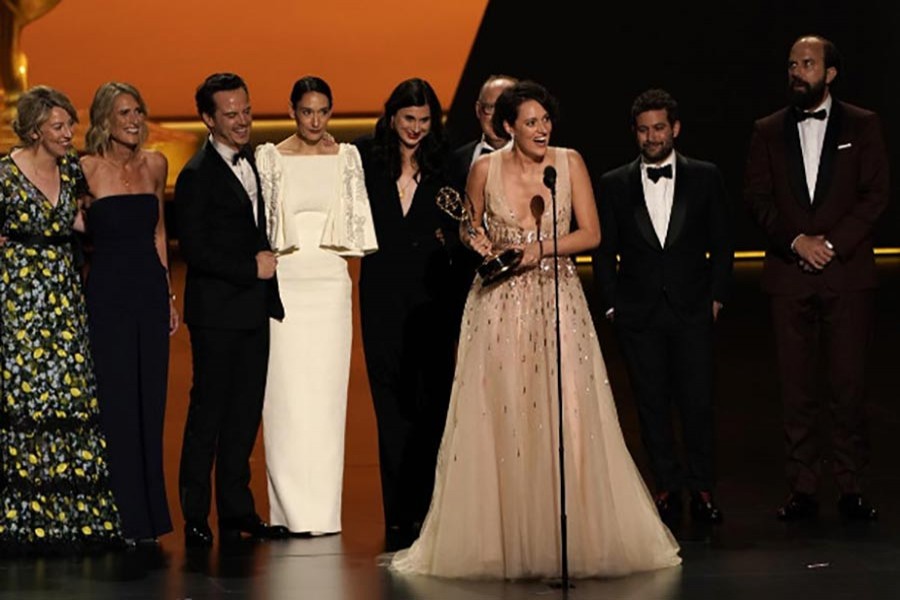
(217, 82)
(654, 99)
(507, 108)
(308, 84)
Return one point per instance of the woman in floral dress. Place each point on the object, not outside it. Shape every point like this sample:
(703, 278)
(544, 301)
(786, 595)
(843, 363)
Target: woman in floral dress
(55, 494)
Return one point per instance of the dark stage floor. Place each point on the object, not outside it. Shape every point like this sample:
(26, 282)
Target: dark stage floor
(750, 556)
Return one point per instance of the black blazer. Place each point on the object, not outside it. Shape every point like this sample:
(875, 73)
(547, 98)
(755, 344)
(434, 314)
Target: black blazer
(413, 265)
(219, 240)
(648, 272)
(458, 165)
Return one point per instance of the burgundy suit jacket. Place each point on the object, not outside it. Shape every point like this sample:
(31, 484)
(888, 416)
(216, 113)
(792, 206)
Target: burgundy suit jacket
(851, 193)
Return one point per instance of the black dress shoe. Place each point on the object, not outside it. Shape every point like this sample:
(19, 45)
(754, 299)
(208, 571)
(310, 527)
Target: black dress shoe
(855, 508)
(398, 537)
(669, 506)
(704, 509)
(232, 530)
(197, 535)
(799, 506)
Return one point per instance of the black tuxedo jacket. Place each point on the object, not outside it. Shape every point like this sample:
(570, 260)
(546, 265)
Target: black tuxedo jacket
(459, 163)
(219, 239)
(852, 190)
(680, 272)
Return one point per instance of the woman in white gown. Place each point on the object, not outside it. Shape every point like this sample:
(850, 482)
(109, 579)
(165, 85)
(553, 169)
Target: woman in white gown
(318, 213)
(495, 508)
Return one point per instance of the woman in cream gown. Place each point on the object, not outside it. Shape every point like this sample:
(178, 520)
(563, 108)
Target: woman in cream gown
(495, 509)
(317, 207)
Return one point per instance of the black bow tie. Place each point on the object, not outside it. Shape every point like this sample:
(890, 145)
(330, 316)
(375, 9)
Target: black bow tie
(485, 150)
(654, 173)
(244, 153)
(819, 115)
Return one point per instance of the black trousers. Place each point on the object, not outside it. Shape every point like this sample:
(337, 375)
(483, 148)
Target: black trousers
(409, 359)
(223, 420)
(670, 364)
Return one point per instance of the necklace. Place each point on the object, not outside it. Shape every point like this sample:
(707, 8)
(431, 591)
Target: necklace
(402, 189)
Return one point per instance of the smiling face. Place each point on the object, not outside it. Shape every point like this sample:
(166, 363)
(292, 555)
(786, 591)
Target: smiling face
(655, 135)
(54, 135)
(232, 120)
(311, 114)
(532, 128)
(808, 78)
(127, 124)
(412, 124)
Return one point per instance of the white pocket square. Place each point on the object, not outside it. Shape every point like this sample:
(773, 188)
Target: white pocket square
(844, 146)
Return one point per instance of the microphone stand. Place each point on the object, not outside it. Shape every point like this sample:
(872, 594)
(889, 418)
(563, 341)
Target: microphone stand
(550, 183)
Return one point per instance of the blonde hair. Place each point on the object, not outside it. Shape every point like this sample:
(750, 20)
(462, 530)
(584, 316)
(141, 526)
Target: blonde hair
(97, 139)
(33, 110)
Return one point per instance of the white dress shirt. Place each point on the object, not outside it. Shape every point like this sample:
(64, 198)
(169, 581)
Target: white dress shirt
(812, 137)
(658, 197)
(242, 170)
(483, 147)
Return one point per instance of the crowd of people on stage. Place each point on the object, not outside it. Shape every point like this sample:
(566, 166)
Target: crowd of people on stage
(465, 370)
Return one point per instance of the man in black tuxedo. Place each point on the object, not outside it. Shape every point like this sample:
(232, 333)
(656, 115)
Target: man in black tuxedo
(466, 261)
(462, 158)
(662, 214)
(230, 293)
(816, 183)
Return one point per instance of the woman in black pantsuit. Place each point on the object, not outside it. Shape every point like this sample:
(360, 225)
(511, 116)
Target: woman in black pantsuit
(406, 301)
(129, 304)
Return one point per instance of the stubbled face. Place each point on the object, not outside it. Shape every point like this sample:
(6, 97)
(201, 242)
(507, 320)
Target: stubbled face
(655, 135)
(55, 134)
(808, 79)
(311, 114)
(126, 122)
(232, 121)
(412, 124)
(484, 110)
(532, 128)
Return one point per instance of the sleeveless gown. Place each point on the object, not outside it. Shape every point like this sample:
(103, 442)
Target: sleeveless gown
(55, 491)
(309, 358)
(495, 510)
(128, 310)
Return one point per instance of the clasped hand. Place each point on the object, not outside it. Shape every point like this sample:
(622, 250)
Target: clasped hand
(814, 251)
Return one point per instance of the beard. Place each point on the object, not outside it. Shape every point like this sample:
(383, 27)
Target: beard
(807, 95)
(657, 153)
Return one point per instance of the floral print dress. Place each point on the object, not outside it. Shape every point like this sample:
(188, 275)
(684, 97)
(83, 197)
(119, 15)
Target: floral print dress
(55, 494)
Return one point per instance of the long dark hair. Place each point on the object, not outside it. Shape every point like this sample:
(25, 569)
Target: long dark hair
(431, 151)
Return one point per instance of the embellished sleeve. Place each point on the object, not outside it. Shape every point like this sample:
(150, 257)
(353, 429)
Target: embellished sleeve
(271, 178)
(349, 230)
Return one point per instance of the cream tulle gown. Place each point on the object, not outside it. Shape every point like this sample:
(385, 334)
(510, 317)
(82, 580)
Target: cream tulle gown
(495, 509)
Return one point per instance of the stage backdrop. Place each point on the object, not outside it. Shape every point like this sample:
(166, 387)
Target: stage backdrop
(166, 47)
(725, 62)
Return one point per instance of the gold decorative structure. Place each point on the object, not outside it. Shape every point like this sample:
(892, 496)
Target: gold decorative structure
(14, 15)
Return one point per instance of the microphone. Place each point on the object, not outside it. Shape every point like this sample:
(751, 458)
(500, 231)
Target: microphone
(550, 178)
(537, 209)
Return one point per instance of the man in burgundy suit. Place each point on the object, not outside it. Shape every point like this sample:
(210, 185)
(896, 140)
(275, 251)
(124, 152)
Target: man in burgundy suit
(816, 182)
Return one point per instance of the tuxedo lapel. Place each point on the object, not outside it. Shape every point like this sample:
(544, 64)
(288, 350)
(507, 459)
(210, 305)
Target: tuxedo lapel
(679, 200)
(796, 170)
(639, 204)
(230, 179)
(829, 150)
